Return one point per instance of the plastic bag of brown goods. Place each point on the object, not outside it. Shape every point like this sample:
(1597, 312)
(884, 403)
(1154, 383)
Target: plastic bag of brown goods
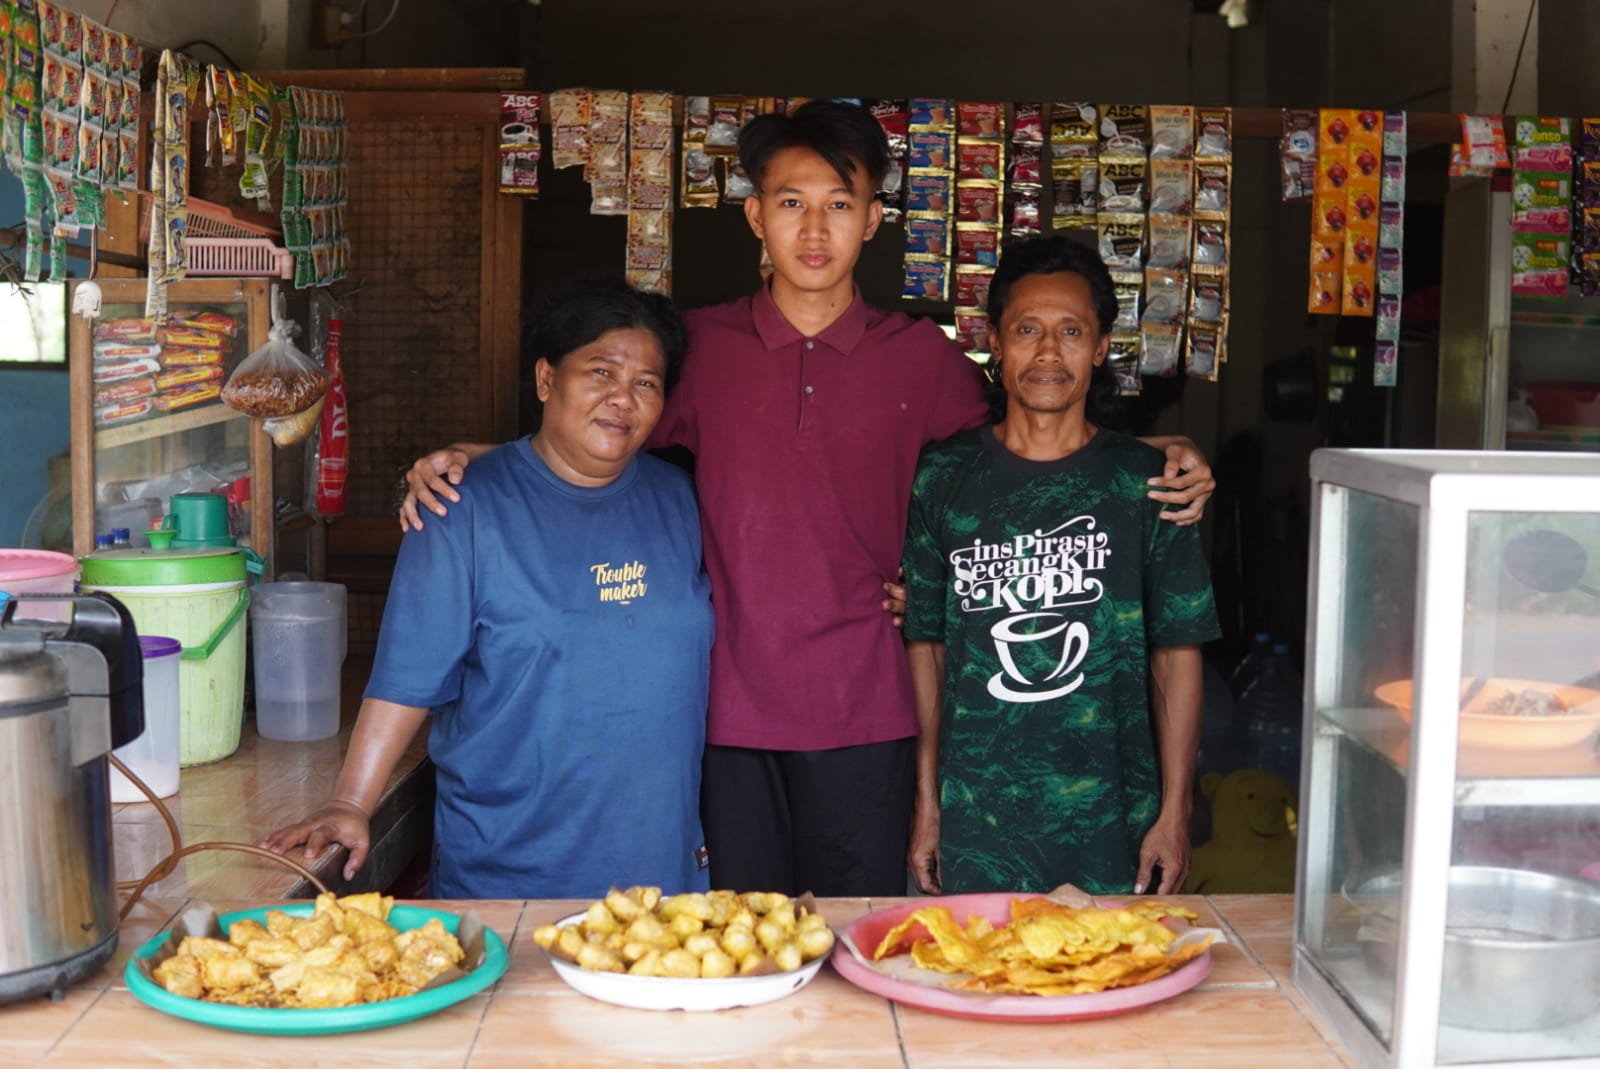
(277, 379)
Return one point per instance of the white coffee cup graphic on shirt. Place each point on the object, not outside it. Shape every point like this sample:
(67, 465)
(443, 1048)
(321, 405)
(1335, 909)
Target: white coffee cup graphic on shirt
(1012, 635)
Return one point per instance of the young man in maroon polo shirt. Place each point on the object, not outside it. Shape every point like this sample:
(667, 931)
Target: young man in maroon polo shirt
(806, 409)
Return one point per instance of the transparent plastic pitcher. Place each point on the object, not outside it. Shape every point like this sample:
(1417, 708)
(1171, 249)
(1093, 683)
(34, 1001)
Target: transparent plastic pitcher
(298, 640)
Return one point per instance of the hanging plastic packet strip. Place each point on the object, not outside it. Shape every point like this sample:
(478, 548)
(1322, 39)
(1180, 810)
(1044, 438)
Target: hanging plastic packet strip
(520, 144)
(570, 112)
(607, 170)
(1388, 316)
(983, 120)
(649, 248)
(699, 184)
(1076, 183)
(926, 279)
(726, 119)
(1540, 265)
(928, 194)
(1169, 242)
(1541, 143)
(1122, 183)
(1391, 226)
(253, 183)
(1129, 303)
(1211, 184)
(1027, 124)
(1215, 140)
(61, 80)
(648, 263)
(928, 237)
(1027, 164)
(1121, 240)
(1483, 143)
(978, 204)
(980, 161)
(892, 117)
(1160, 349)
(928, 113)
(929, 150)
(1297, 154)
(696, 120)
(1171, 132)
(1205, 351)
(1210, 246)
(1025, 219)
(972, 287)
(1172, 184)
(1541, 203)
(1123, 356)
(1208, 299)
(1166, 296)
(218, 99)
(893, 191)
(1124, 130)
(972, 330)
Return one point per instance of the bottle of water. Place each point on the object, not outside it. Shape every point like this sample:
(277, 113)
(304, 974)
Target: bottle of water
(1270, 710)
(102, 541)
(121, 538)
(1250, 665)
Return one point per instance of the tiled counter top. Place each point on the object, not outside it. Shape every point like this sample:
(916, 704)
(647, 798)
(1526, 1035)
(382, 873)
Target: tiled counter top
(1244, 1016)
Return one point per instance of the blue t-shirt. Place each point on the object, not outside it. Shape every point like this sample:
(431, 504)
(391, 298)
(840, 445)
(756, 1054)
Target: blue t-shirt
(561, 636)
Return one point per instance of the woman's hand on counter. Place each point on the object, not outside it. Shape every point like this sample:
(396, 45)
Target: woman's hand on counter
(335, 823)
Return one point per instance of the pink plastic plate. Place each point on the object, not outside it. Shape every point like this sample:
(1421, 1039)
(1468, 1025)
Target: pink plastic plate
(867, 932)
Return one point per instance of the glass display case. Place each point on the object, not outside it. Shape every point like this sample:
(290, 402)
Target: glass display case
(1447, 911)
(147, 418)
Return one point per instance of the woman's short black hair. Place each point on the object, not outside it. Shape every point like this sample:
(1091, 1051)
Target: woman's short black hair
(1052, 255)
(576, 315)
(846, 135)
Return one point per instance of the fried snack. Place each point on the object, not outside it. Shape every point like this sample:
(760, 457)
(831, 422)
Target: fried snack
(708, 936)
(1047, 948)
(344, 954)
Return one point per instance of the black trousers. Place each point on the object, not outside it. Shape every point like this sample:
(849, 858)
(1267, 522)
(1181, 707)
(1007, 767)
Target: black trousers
(832, 822)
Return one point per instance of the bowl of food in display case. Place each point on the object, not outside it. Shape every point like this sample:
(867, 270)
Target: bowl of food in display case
(1513, 714)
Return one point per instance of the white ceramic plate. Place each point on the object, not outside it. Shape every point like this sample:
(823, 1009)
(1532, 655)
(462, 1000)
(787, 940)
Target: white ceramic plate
(673, 993)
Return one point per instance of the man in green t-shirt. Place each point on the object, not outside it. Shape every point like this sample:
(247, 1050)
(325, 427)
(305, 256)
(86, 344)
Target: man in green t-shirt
(1053, 621)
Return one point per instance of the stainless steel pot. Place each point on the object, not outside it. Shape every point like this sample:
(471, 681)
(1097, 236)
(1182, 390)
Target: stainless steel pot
(1521, 949)
(66, 700)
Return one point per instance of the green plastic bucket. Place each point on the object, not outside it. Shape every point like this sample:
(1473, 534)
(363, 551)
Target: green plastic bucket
(199, 597)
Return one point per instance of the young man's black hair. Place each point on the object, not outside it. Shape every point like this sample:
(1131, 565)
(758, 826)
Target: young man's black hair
(845, 135)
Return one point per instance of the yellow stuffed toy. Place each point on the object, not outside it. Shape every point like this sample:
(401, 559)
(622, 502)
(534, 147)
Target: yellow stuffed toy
(1253, 825)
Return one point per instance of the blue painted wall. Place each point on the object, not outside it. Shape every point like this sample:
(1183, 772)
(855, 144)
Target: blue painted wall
(33, 415)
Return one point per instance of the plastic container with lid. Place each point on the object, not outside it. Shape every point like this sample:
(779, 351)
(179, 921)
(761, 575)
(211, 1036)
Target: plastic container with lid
(38, 571)
(199, 597)
(298, 638)
(153, 756)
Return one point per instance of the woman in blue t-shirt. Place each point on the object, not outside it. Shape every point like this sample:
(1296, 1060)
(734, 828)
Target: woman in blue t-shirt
(556, 627)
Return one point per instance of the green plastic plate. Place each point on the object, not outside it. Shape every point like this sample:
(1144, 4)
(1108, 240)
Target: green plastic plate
(289, 1022)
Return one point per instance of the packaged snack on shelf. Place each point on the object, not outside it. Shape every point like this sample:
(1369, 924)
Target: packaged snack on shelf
(1027, 164)
(1122, 183)
(980, 161)
(118, 370)
(977, 245)
(1076, 183)
(1210, 245)
(1171, 132)
(570, 116)
(930, 193)
(1025, 220)
(1359, 289)
(520, 146)
(1121, 240)
(1483, 142)
(929, 150)
(1388, 316)
(186, 376)
(1391, 226)
(927, 280)
(1169, 241)
(211, 322)
(1215, 140)
(736, 184)
(194, 339)
(1165, 296)
(132, 330)
(1211, 182)
(1360, 247)
(127, 390)
(1541, 203)
(891, 115)
(1171, 187)
(1128, 294)
(277, 379)
(1027, 124)
(1541, 143)
(1539, 265)
(1324, 293)
(1123, 356)
(1297, 153)
(1205, 351)
(1391, 277)
(1208, 299)
(112, 350)
(180, 356)
(191, 396)
(727, 117)
(978, 204)
(1124, 130)
(1074, 130)
(980, 119)
(927, 113)
(1160, 348)
(607, 170)
(699, 183)
(972, 330)
(124, 411)
(893, 192)
(927, 237)
(972, 287)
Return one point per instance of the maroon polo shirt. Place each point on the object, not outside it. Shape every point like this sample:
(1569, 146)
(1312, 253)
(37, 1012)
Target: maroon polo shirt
(805, 450)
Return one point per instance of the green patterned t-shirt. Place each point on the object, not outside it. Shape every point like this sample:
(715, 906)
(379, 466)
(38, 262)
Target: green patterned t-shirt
(1048, 583)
